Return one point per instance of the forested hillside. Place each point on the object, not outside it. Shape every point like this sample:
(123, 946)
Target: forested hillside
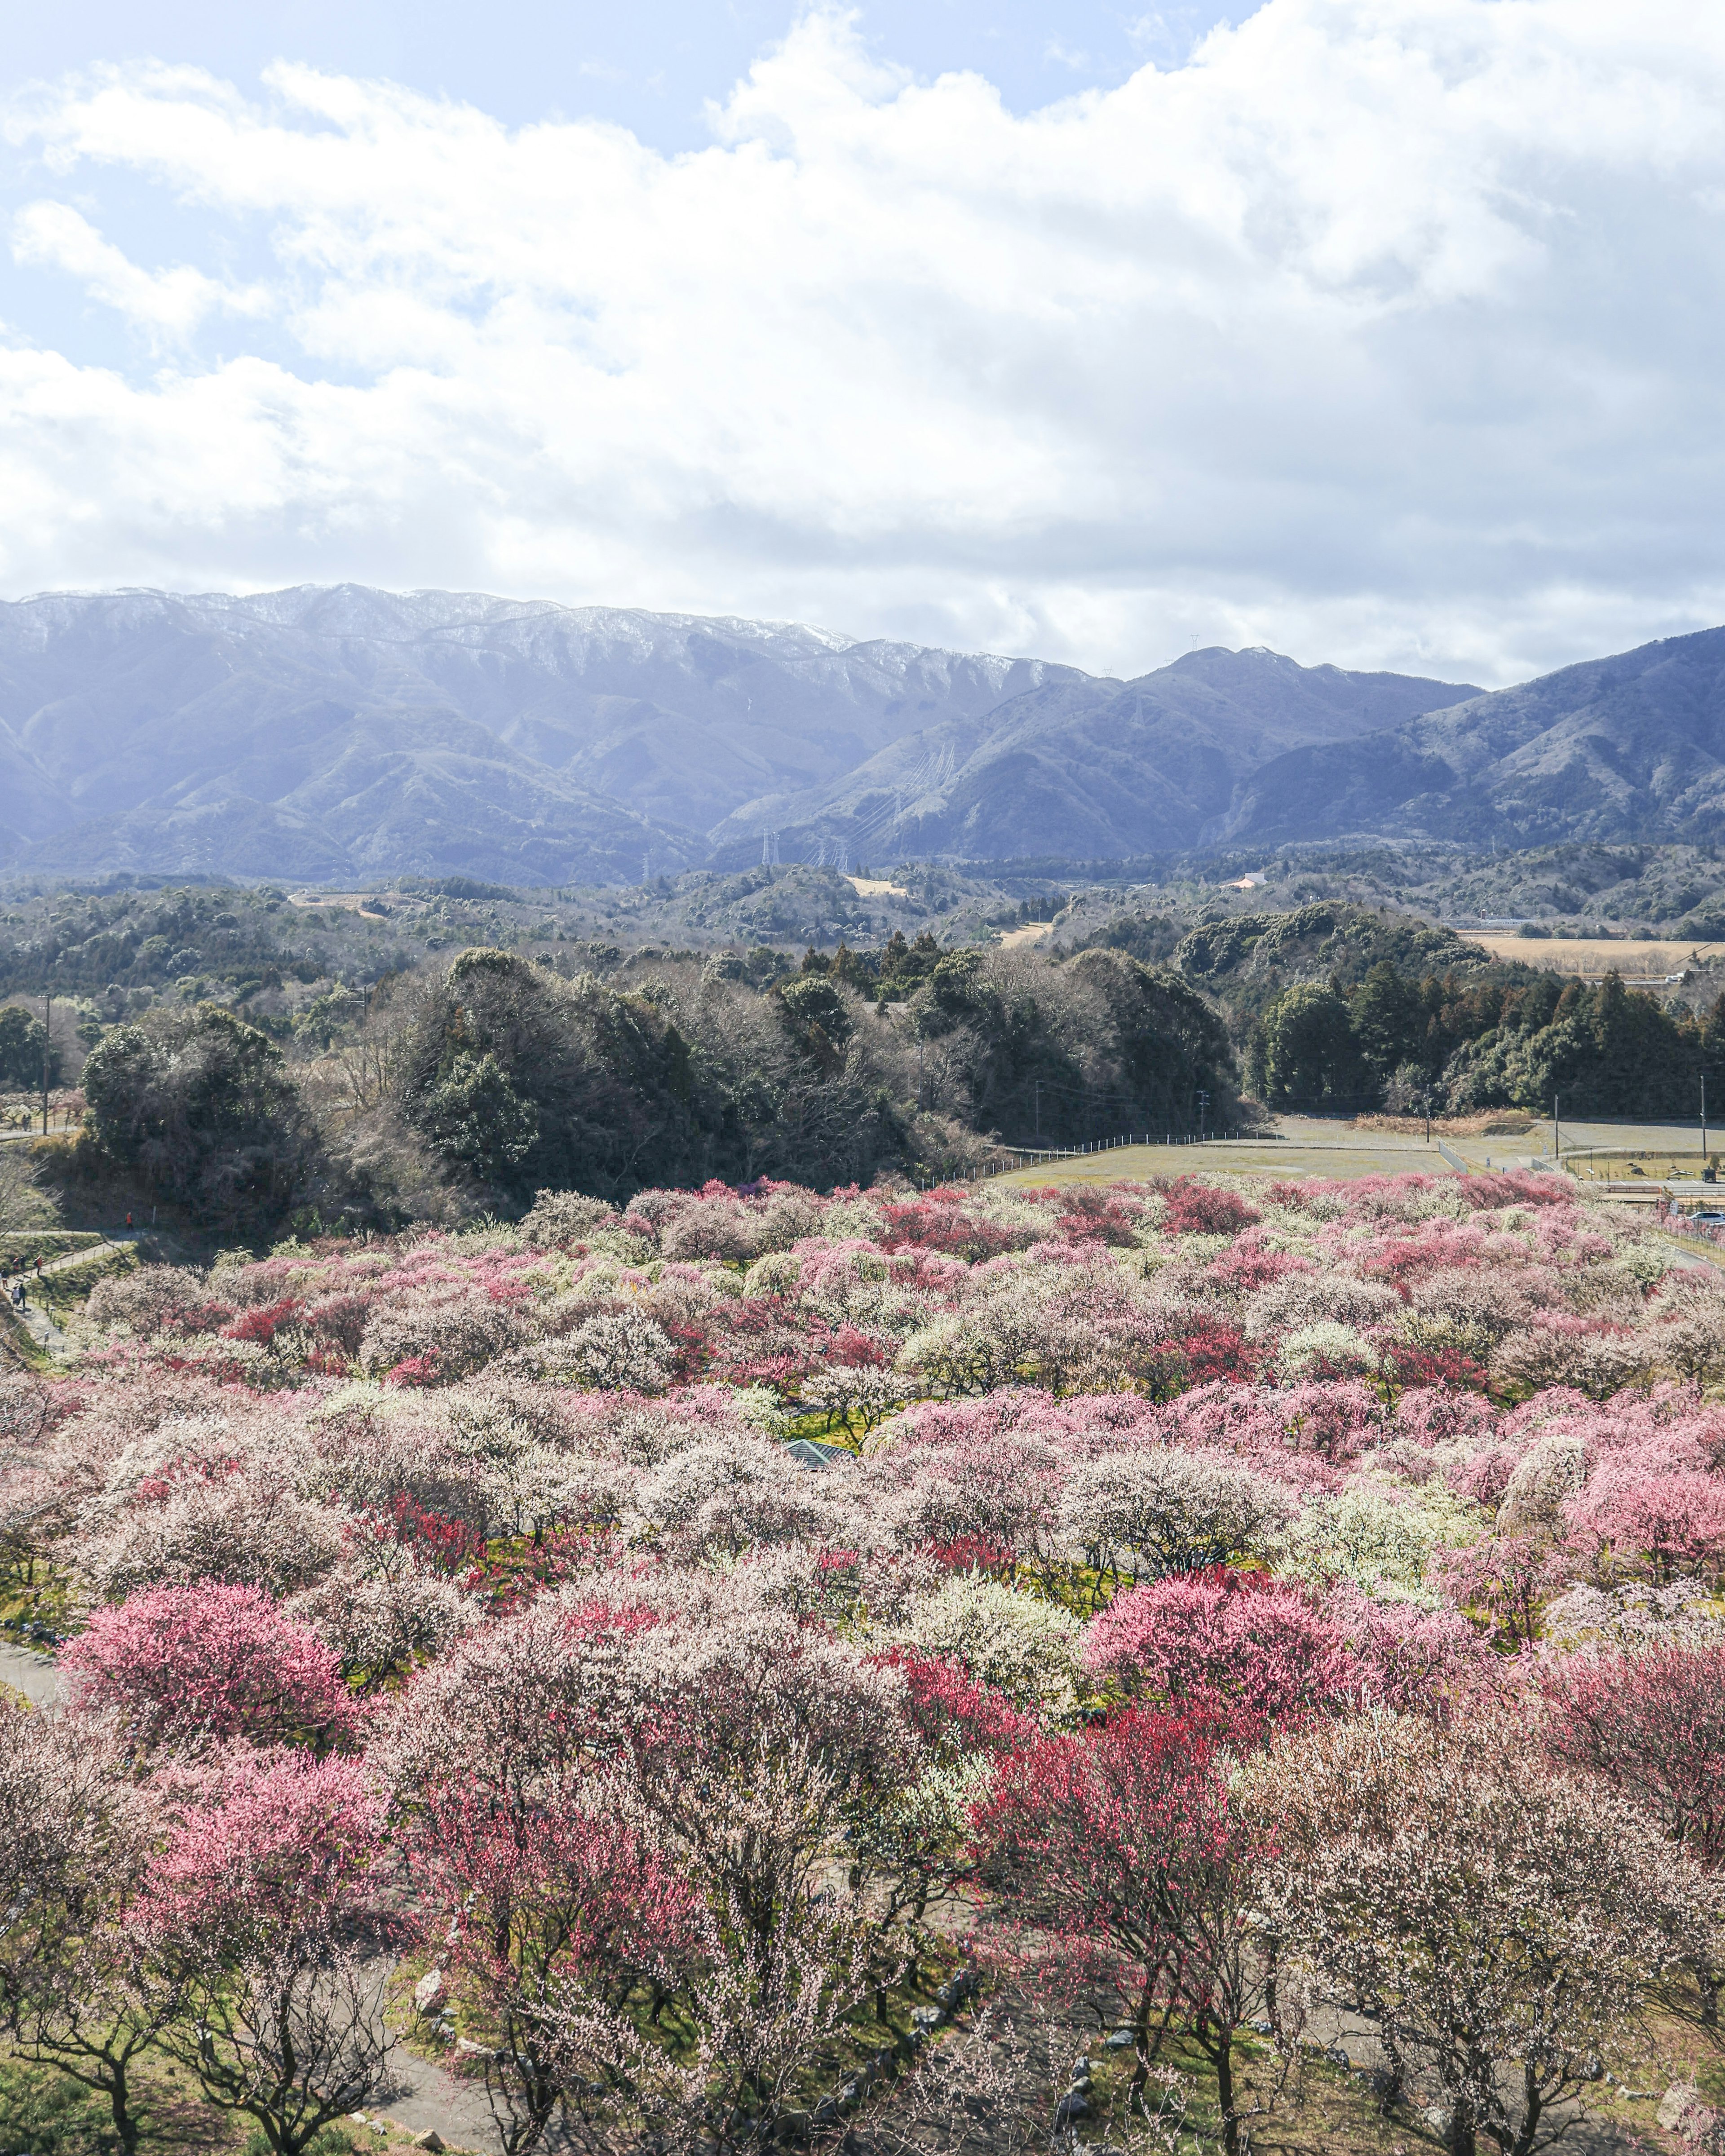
(470, 1087)
(1338, 1008)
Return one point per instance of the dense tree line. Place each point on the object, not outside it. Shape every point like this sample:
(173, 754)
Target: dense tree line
(1605, 1050)
(522, 1080)
(1335, 1006)
(501, 1075)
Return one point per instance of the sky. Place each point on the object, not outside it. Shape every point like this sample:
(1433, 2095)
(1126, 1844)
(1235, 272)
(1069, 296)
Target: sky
(1386, 332)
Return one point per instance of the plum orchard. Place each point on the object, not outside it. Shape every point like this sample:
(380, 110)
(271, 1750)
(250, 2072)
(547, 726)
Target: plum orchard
(1236, 1597)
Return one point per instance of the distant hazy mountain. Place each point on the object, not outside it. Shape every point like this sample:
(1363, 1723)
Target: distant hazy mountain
(1089, 769)
(1627, 748)
(324, 734)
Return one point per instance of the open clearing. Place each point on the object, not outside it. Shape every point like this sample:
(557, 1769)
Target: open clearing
(361, 902)
(1306, 1146)
(877, 887)
(1601, 954)
(1320, 1146)
(1033, 932)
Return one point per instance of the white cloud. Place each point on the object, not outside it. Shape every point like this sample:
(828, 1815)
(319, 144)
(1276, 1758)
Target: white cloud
(1383, 331)
(167, 306)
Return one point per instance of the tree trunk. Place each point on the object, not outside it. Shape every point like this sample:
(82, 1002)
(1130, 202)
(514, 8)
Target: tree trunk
(124, 2125)
(1530, 2118)
(1141, 2044)
(1463, 2135)
(1224, 2051)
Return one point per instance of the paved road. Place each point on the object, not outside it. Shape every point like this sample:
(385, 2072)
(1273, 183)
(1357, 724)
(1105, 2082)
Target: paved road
(32, 1674)
(36, 1320)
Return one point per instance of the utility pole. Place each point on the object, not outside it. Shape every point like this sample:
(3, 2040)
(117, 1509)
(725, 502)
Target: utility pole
(1036, 1107)
(1203, 1102)
(46, 1050)
(1703, 1119)
(1428, 1119)
(1557, 1135)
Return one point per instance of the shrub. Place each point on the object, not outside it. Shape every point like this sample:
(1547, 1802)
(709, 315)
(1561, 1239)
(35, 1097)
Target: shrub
(622, 1352)
(560, 1217)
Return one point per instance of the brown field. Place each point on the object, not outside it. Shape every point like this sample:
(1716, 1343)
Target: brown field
(344, 901)
(876, 887)
(1601, 954)
(1032, 931)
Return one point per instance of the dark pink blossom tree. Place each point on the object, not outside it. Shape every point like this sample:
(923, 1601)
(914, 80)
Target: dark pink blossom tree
(183, 1665)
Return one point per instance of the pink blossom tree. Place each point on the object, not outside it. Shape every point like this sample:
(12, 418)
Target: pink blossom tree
(1254, 1653)
(1512, 1577)
(1674, 1523)
(186, 1666)
(262, 1911)
(1413, 1661)
(1651, 1724)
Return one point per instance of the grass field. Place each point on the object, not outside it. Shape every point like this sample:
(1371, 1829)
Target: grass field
(1320, 1146)
(1308, 1147)
(1032, 931)
(1589, 954)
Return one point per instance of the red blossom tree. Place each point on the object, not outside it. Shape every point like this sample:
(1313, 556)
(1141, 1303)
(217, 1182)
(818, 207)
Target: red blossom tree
(1198, 1208)
(564, 1914)
(1123, 1843)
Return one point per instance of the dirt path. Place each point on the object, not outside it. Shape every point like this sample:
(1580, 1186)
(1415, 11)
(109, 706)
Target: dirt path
(429, 2095)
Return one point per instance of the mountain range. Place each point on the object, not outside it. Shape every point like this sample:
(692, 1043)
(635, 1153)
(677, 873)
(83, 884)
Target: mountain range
(1630, 747)
(332, 735)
